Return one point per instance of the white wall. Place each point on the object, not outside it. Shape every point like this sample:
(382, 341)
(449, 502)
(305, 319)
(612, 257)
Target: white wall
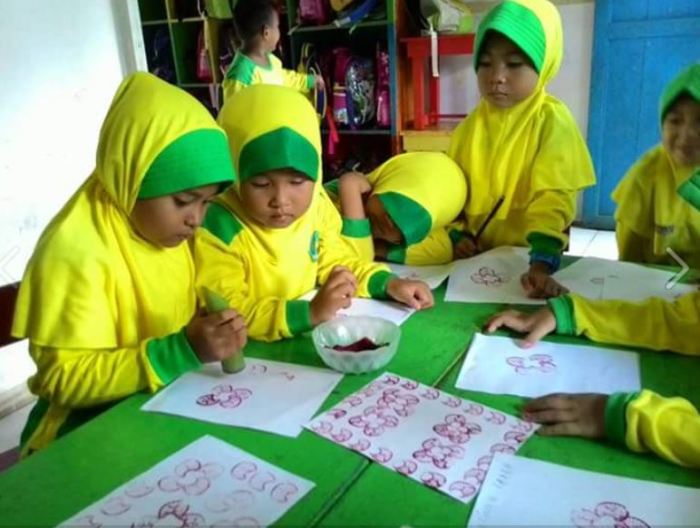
(60, 63)
(458, 89)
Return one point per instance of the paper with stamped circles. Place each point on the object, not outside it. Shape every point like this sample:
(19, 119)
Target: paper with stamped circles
(437, 439)
(491, 277)
(525, 492)
(267, 395)
(498, 365)
(208, 483)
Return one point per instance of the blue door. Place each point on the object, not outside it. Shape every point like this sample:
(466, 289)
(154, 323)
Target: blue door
(638, 47)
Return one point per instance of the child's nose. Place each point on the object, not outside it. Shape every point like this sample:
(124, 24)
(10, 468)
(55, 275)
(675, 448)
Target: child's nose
(498, 74)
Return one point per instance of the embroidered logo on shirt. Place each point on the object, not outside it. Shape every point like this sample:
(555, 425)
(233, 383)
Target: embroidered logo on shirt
(313, 248)
(664, 230)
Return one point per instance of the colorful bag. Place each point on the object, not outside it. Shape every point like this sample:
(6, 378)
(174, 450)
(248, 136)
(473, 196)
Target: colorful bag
(313, 12)
(360, 87)
(203, 69)
(383, 89)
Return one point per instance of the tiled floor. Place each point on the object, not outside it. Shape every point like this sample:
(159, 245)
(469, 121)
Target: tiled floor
(584, 242)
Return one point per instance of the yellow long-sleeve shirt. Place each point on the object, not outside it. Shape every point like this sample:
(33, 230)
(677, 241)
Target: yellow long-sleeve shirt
(103, 308)
(262, 271)
(670, 427)
(243, 72)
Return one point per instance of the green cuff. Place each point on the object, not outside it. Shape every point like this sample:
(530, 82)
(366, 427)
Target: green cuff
(563, 309)
(690, 190)
(615, 415)
(378, 284)
(298, 316)
(310, 81)
(544, 244)
(396, 253)
(172, 356)
(355, 228)
(457, 235)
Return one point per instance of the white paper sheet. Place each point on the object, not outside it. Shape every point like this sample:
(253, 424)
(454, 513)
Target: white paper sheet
(432, 437)
(208, 483)
(392, 311)
(499, 366)
(597, 278)
(266, 395)
(525, 492)
(433, 276)
(491, 277)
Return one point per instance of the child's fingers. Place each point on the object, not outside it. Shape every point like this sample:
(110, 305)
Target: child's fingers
(510, 319)
(551, 416)
(536, 334)
(561, 429)
(551, 401)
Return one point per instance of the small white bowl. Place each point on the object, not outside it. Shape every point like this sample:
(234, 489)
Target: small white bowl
(350, 329)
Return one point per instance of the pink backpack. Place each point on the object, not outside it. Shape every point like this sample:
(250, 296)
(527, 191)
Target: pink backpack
(314, 12)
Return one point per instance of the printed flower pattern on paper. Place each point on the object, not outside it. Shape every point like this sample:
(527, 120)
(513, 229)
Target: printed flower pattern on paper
(224, 396)
(440, 455)
(374, 421)
(191, 477)
(457, 429)
(543, 363)
(402, 404)
(607, 514)
(486, 276)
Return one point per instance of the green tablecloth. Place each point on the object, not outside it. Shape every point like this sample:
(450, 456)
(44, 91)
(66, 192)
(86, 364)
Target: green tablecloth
(123, 442)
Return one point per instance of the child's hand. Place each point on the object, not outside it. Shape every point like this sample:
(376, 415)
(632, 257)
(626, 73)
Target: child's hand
(539, 284)
(415, 294)
(535, 325)
(568, 414)
(216, 336)
(465, 248)
(335, 294)
(319, 82)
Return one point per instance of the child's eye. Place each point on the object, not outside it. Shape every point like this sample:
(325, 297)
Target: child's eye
(483, 64)
(180, 202)
(297, 181)
(259, 184)
(515, 64)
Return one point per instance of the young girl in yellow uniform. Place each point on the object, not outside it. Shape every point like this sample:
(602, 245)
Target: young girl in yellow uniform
(400, 211)
(276, 236)
(644, 421)
(650, 217)
(108, 301)
(520, 149)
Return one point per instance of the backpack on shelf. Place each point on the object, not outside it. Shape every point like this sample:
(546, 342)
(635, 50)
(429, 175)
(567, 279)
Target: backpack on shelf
(313, 12)
(350, 13)
(160, 58)
(360, 88)
(383, 88)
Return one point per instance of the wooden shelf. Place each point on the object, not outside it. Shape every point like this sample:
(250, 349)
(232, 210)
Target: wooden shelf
(154, 22)
(334, 27)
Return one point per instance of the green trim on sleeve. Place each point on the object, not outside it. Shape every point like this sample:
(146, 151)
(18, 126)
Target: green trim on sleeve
(310, 81)
(172, 356)
(221, 223)
(563, 309)
(396, 253)
(544, 244)
(298, 315)
(456, 236)
(354, 228)
(615, 415)
(242, 69)
(378, 283)
(333, 188)
(690, 190)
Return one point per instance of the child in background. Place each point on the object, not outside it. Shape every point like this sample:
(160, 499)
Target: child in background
(276, 236)
(107, 301)
(399, 212)
(650, 217)
(645, 421)
(520, 149)
(257, 25)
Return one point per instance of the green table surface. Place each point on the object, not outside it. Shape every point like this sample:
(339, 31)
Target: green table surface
(123, 442)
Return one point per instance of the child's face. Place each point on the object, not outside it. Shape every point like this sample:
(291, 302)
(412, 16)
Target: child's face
(681, 132)
(381, 224)
(271, 33)
(504, 73)
(169, 220)
(277, 198)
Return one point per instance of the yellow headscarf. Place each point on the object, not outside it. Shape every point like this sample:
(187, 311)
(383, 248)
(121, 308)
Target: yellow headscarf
(421, 191)
(92, 282)
(270, 128)
(500, 149)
